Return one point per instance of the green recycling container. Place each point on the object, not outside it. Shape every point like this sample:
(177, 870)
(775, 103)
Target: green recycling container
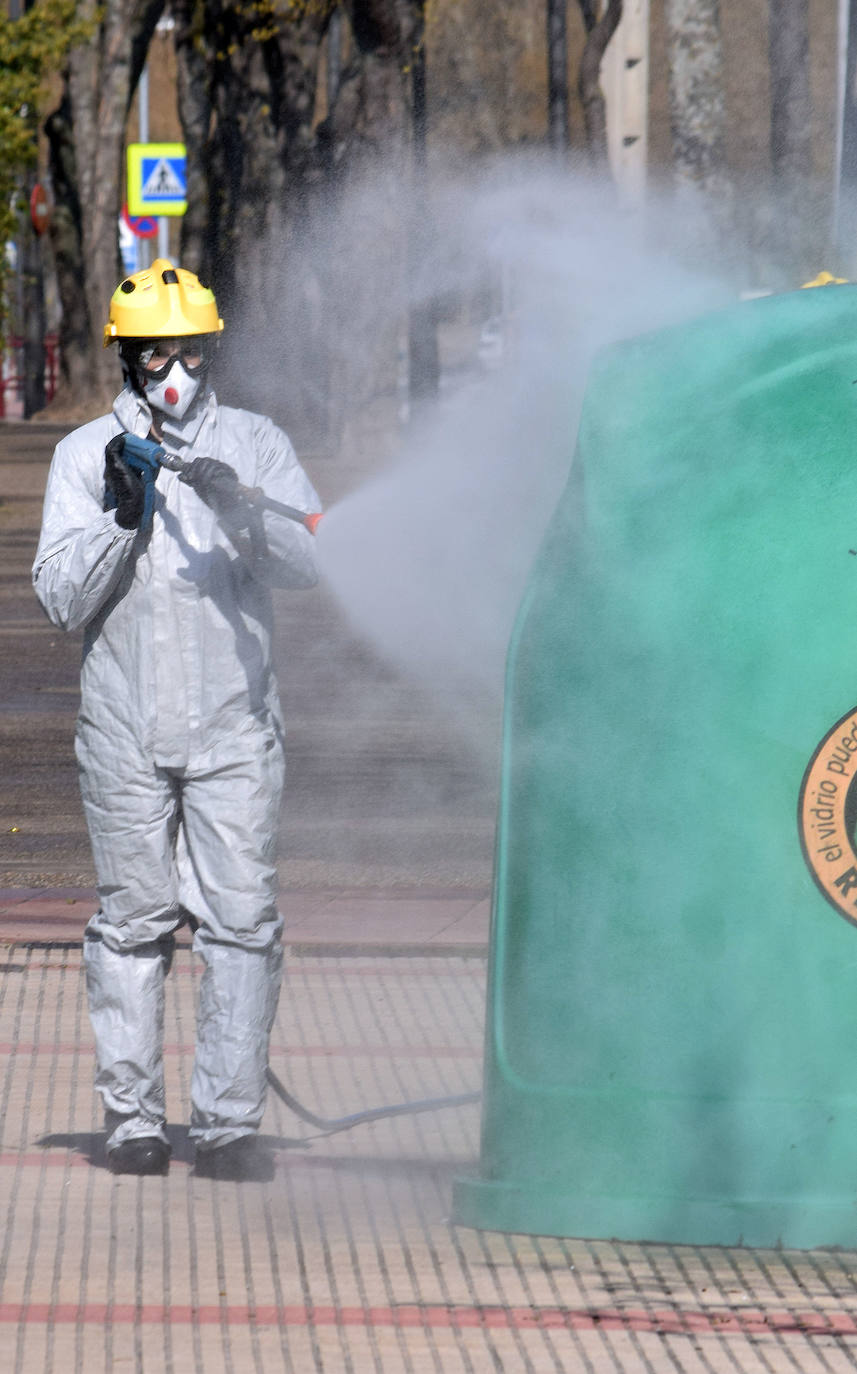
(671, 1037)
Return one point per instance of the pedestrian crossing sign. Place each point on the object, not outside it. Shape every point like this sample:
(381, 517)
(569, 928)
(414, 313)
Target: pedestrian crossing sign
(157, 178)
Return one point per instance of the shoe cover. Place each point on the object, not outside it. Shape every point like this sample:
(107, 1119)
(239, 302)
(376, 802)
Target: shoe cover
(244, 1160)
(126, 1008)
(237, 1004)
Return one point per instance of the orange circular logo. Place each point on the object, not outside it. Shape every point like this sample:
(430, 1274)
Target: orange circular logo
(827, 816)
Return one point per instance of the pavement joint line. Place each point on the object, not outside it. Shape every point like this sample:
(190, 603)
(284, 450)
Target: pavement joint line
(320, 949)
(672, 1321)
(279, 1051)
(69, 895)
(292, 1149)
(332, 949)
(383, 965)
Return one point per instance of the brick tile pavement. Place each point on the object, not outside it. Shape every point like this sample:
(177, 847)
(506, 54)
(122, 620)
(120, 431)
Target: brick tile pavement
(347, 1261)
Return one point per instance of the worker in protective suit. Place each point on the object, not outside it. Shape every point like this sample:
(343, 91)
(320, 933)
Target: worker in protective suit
(179, 738)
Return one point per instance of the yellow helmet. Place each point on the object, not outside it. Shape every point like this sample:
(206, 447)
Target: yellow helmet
(161, 302)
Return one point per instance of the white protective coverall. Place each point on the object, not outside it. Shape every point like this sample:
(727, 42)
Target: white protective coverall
(180, 750)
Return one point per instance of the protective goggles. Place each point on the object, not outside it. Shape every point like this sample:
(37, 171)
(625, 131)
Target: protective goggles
(155, 357)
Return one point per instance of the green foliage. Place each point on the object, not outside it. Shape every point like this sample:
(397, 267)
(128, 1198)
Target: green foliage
(32, 47)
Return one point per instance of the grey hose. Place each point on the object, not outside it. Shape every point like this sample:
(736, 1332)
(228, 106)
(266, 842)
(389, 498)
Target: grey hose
(330, 1125)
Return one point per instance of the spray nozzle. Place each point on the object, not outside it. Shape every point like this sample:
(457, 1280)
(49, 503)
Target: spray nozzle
(256, 497)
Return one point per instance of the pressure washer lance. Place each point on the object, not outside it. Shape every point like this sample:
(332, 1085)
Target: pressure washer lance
(254, 496)
(330, 1125)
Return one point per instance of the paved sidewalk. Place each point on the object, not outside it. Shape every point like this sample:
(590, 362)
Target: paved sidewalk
(339, 922)
(348, 1260)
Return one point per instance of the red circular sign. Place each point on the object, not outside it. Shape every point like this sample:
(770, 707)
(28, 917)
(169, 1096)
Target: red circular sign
(40, 209)
(144, 226)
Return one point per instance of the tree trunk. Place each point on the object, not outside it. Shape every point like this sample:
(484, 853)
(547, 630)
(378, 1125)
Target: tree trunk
(195, 116)
(246, 88)
(791, 133)
(308, 267)
(845, 227)
(247, 79)
(377, 279)
(33, 323)
(598, 35)
(87, 135)
(66, 231)
(791, 106)
(557, 13)
(697, 109)
(423, 359)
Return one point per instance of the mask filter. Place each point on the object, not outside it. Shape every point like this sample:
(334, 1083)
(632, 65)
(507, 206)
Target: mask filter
(172, 394)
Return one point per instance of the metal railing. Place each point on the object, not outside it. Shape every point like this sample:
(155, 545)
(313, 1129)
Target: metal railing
(12, 374)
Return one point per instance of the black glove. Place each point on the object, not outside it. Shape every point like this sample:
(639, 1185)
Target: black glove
(125, 490)
(217, 484)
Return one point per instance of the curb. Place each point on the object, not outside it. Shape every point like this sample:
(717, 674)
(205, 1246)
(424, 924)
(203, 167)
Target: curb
(304, 949)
